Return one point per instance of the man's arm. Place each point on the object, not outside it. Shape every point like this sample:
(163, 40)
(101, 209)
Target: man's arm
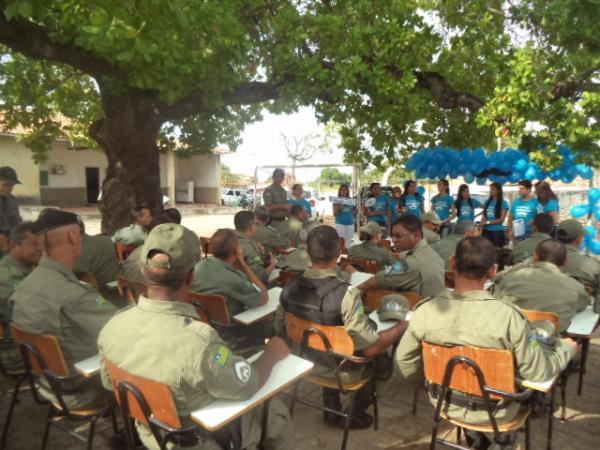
(251, 275)
(386, 338)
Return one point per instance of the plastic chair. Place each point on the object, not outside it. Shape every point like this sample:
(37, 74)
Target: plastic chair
(362, 264)
(131, 289)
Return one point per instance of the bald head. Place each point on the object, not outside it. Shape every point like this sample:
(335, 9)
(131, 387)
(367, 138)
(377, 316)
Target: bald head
(551, 251)
(223, 244)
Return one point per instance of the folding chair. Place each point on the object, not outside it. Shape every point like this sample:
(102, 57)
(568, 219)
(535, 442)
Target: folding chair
(488, 375)
(89, 278)
(373, 297)
(204, 245)
(148, 402)
(338, 347)
(362, 264)
(43, 357)
(131, 289)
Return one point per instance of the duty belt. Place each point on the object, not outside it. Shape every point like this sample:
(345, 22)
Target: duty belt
(470, 402)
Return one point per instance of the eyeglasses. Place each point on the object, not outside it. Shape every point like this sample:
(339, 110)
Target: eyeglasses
(400, 235)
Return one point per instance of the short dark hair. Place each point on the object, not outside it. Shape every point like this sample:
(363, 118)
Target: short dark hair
(19, 232)
(525, 183)
(137, 211)
(411, 223)
(296, 209)
(552, 251)
(243, 220)
(172, 215)
(170, 278)
(543, 222)
(261, 214)
(223, 243)
(475, 256)
(323, 244)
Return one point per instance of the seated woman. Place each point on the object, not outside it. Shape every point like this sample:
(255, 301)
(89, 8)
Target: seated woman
(370, 235)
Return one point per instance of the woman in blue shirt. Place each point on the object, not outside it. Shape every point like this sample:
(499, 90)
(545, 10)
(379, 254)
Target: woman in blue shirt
(344, 216)
(411, 200)
(495, 210)
(297, 199)
(441, 204)
(547, 200)
(379, 211)
(395, 207)
(522, 211)
(464, 206)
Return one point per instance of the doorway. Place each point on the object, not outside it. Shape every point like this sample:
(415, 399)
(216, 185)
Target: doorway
(92, 184)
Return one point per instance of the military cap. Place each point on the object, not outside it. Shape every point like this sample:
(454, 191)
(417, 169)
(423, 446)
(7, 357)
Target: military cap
(431, 217)
(570, 229)
(175, 241)
(8, 174)
(393, 307)
(463, 227)
(372, 228)
(54, 218)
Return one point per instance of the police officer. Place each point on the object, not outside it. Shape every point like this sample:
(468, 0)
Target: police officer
(51, 300)
(371, 235)
(275, 198)
(421, 269)
(542, 227)
(162, 338)
(446, 247)
(136, 233)
(298, 259)
(542, 286)
(431, 227)
(479, 320)
(257, 257)
(9, 208)
(583, 268)
(320, 296)
(291, 227)
(268, 235)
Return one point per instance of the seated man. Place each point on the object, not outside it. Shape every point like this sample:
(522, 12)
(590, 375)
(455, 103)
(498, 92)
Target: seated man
(471, 316)
(268, 235)
(371, 235)
(135, 234)
(583, 268)
(421, 269)
(542, 227)
(258, 259)
(163, 339)
(319, 295)
(431, 227)
(51, 300)
(291, 227)
(298, 260)
(542, 286)
(447, 247)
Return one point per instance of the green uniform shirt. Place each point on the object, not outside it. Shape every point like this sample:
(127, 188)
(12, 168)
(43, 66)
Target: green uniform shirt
(216, 277)
(270, 237)
(290, 229)
(98, 256)
(525, 248)
(370, 250)
(12, 272)
(475, 318)
(586, 270)
(430, 236)
(132, 267)
(296, 261)
(133, 234)
(255, 256)
(276, 195)
(9, 213)
(541, 286)
(51, 300)
(446, 248)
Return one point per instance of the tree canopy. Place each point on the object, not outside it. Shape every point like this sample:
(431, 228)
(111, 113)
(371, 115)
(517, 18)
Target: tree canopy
(332, 176)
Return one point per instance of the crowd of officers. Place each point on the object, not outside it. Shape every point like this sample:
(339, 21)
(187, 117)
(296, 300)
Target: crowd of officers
(162, 337)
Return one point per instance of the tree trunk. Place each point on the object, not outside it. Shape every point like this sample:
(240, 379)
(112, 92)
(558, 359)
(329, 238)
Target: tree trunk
(128, 137)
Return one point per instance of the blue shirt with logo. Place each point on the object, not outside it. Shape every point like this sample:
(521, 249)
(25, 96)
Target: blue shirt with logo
(413, 204)
(491, 215)
(394, 208)
(466, 212)
(442, 205)
(381, 206)
(345, 215)
(526, 210)
(551, 206)
(302, 202)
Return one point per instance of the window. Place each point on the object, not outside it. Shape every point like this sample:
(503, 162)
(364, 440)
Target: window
(44, 178)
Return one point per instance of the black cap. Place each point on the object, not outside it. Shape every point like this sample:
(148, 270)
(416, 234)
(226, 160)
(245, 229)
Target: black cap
(54, 218)
(8, 174)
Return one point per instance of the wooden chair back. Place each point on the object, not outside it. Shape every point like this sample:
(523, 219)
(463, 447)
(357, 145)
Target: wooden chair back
(362, 264)
(386, 244)
(449, 279)
(47, 346)
(89, 278)
(131, 289)
(373, 297)
(216, 306)
(285, 276)
(4, 244)
(205, 245)
(158, 396)
(340, 340)
(537, 316)
(497, 365)
(124, 250)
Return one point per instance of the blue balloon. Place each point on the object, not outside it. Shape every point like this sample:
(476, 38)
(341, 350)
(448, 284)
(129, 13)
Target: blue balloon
(521, 164)
(502, 180)
(567, 179)
(469, 178)
(481, 181)
(421, 190)
(594, 247)
(594, 195)
(597, 213)
(514, 177)
(579, 211)
(590, 232)
(531, 173)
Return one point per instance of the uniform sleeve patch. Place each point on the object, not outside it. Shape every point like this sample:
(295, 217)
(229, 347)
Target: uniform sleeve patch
(100, 300)
(256, 287)
(243, 370)
(222, 355)
(360, 309)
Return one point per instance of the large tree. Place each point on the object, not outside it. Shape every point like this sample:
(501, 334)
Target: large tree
(133, 77)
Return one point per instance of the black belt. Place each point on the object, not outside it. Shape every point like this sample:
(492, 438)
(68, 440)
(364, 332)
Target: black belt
(470, 402)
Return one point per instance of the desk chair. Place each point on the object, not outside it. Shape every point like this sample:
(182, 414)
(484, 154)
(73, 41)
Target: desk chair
(123, 251)
(43, 358)
(449, 279)
(204, 245)
(89, 278)
(488, 374)
(386, 244)
(362, 264)
(285, 276)
(149, 402)
(338, 346)
(131, 289)
(373, 297)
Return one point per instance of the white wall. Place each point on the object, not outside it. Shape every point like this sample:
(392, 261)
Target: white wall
(203, 170)
(75, 163)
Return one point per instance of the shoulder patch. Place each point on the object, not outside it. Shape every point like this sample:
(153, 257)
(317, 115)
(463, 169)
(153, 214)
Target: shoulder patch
(222, 355)
(243, 370)
(100, 300)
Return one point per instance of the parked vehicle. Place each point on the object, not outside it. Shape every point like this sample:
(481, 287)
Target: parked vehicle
(232, 196)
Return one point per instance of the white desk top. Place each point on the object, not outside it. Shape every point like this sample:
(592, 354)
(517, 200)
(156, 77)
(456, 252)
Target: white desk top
(583, 323)
(113, 284)
(253, 314)
(274, 274)
(221, 412)
(358, 278)
(88, 367)
(386, 324)
(542, 386)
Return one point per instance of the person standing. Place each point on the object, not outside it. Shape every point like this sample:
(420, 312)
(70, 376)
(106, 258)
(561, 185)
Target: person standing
(9, 207)
(379, 212)
(522, 212)
(395, 205)
(441, 204)
(275, 198)
(464, 206)
(298, 199)
(344, 216)
(495, 210)
(547, 201)
(412, 200)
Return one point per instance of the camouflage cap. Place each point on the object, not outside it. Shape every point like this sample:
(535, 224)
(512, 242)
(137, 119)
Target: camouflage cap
(8, 174)
(431, 217)
(393, 307)
(372, 228)
(570, 229)
(175, 241)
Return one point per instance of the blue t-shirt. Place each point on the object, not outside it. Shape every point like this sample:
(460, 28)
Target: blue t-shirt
(394, 205)
(345, 215)
(442, 205)
(466, 212)
(381, 206)
(413, 205)
(526, 210)
(301, 202)
(491, 215)
(550, 206)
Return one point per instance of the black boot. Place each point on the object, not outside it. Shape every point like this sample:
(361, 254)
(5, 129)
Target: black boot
(331, 399)
(360, 418)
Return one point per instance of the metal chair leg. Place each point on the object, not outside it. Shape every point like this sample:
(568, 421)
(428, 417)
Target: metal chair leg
(527, 438)
(347, 422)
(550, 420)
(458, 434)
(90, 438)
(375, 406)
(113, 418)
(415, 401)
(47, 427)
(11, 408)
(563, 397)
(294, 397)
(585, 346)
